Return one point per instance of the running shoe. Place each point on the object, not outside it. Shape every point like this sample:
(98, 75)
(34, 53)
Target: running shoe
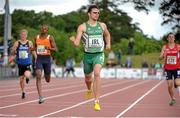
(97, 106)
(172, 102)
(23, 95)
(27, 80)
(41, 100)
(88, 94)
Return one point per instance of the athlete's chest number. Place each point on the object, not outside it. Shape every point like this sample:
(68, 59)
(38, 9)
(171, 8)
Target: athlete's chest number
(23, 54)
(41, 49)
(171, 60)
(95, 41)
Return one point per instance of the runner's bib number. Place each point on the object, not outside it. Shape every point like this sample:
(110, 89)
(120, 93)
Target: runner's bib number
(41, 49)
(171, 60)
(23, 54)
(96, 41)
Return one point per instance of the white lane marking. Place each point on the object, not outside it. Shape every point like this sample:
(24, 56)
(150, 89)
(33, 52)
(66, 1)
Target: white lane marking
(76, 85)
(60, 95)
(8, 115)
(43, 91)
(84, 102)
(133, 104)
(34, 86)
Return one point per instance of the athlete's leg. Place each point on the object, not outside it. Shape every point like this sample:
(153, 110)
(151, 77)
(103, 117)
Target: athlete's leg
(38, 81)
(21, 82)
(88, 81)
(22, 86)
(27, 75)
(170, 84)
(47, 78)
(170, 88)
(177, 82)
(47, 71)
(97, 81)
(21, 79)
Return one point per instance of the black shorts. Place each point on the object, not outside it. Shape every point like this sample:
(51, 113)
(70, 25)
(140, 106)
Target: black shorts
(23, 68)
(172, 73)
(44, 63)
(70, 69)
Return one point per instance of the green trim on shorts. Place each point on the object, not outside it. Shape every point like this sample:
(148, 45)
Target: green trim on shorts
(90, 60)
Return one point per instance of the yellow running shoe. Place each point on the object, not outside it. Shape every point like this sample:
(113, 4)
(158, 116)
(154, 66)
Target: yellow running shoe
(97, 106)
(88, 94)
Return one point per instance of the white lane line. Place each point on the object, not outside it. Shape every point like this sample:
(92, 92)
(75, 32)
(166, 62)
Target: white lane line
(10, 95)
(47, 90)
(8, 115)
(133, 104)
(84, 102)
(34, 86)
(60, 95)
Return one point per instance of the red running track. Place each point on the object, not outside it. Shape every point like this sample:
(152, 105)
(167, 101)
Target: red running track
(65, 98)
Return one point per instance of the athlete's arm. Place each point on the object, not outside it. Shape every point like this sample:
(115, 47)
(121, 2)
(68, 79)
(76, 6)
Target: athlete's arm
(35, 45)
(12, 52)
(53, 44)
(107, 36)
(14, 48)
(163, 53)
(32, 50)
(178, 47)
(80, 31)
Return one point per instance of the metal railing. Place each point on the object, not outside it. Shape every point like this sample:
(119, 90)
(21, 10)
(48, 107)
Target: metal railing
(8, 72)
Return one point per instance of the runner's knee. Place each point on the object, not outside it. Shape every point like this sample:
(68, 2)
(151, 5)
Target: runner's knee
(38, 74)
(47, 78)
(27, 74)
(88, 78)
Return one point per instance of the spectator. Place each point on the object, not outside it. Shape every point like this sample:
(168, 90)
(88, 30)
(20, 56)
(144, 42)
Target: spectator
(145, 64)
(70, 63)
(131, 46)
(157, 65)
(54, 66)
(119, 55)
(128, 63)
(111, 59)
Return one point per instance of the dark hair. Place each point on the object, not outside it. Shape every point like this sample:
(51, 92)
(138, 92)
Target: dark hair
(92, 7)
(170, 33)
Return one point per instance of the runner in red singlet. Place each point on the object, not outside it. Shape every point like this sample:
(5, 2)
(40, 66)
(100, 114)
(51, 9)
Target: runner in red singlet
(170, 54)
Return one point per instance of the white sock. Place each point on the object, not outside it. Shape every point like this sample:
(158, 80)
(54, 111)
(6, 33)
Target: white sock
(96, 101)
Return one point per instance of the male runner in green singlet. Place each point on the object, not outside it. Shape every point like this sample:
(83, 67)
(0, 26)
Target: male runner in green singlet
(92, 33)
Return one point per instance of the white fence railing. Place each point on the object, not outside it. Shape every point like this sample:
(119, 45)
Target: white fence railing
(129, 73)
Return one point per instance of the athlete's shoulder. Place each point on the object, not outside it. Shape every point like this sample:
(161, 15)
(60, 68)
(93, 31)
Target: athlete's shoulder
(82, 27)
(36, 37)
(166, 45)
(17, 42)
(103, 25)
(30, 42)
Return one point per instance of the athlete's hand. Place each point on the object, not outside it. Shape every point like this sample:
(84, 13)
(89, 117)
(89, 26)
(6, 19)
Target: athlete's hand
(164, 54)
(47, 48)
(11, 59)
(72, 39)
(31, 49)
(108, 47)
